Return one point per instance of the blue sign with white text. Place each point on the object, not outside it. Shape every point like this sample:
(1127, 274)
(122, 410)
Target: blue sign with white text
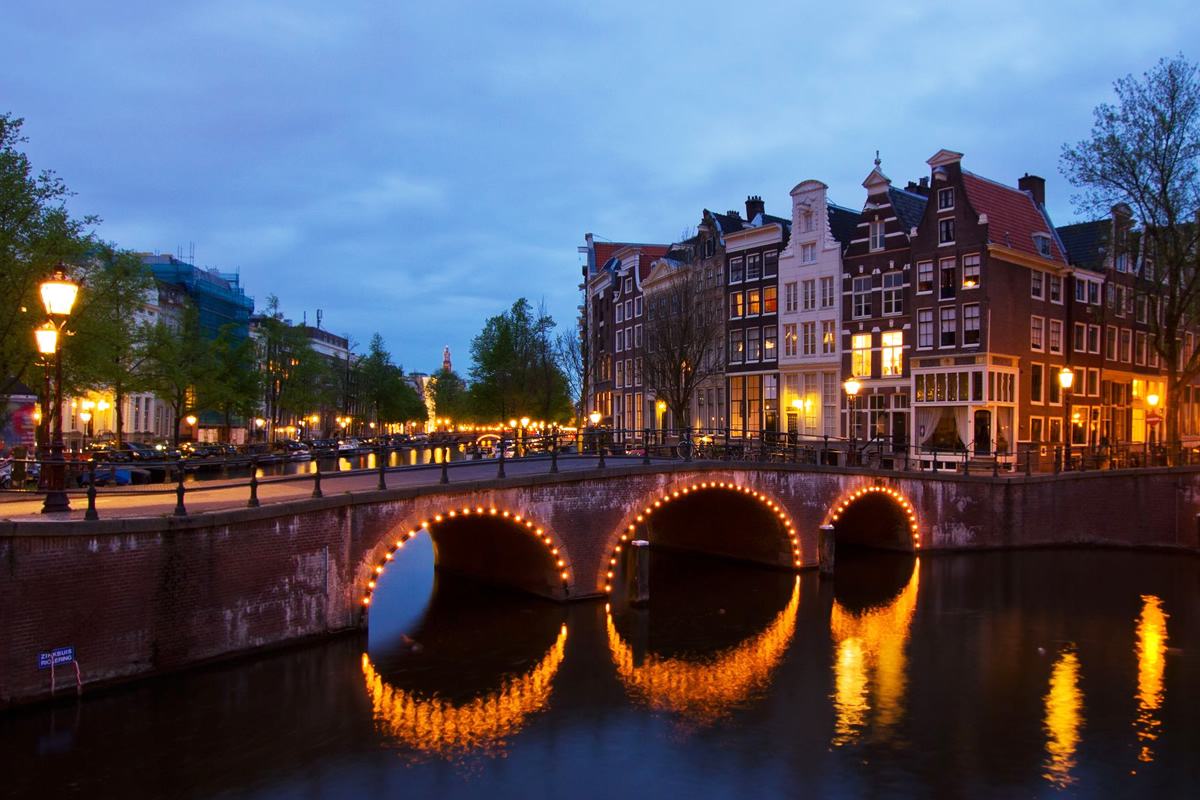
(59, 655)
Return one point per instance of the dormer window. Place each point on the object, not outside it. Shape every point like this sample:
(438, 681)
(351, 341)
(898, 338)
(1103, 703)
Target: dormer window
(945, 199)
(1043, 244)
(877, 236)
(808, 221)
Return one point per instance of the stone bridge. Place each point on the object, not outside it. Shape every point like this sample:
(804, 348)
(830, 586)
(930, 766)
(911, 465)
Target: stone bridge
(135, 596)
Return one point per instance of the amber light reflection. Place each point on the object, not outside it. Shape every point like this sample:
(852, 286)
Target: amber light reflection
(1064, 719)
(706, 689)
(871, 645)
(480, 726)
(1151, 654)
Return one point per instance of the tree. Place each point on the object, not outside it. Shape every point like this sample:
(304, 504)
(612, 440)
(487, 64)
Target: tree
(108, 350)
(450, 398)
(381, 384)
(36, 232)
(294, 375)
(178, 359)
(1144, 152)
(234, 384)
(685, 334)
(515, 372)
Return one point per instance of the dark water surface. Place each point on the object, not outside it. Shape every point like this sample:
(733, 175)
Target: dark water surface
(1026, 674)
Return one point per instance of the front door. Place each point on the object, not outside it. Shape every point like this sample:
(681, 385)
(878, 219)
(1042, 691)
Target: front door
(983, 433)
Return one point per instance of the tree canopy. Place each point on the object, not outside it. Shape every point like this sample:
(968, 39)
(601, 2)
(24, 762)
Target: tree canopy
(515, 371)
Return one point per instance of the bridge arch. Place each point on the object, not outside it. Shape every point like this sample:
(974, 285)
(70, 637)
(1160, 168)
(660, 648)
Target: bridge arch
(538, 561)
(658, 501)
(876, 516)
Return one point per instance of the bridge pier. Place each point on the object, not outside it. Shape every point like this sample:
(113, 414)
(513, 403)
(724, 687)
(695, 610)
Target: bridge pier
(826, 550)
(637, 574)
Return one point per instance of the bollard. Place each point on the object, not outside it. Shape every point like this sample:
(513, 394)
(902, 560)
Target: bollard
(826, 550)
(638, 576)
(500, 468)
(180, 511)
(445, 473)
(317, 480)
(253, 501)
(995, 465)
(646, 447)
(1057, 460)
(554, 452)
(381, 458)
(600, 449)
(91, 512)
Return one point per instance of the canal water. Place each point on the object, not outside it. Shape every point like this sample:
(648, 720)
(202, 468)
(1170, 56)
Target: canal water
(1047, 673)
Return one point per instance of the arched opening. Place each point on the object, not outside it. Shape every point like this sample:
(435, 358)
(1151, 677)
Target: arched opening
(876, 517)
(715, 518)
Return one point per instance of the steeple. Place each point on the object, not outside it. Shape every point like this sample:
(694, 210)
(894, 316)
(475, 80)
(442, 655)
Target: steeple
(446, 359)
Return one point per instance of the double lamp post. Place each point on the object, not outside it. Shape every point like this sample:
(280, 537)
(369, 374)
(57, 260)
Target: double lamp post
(58, 295)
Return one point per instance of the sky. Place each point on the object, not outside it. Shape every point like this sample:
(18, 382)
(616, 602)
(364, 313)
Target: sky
(411, 169)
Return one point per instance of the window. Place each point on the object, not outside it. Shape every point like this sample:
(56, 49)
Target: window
(1139, 350)
(770, 299)
(789, 296)
(862, 296)
(620, 310)
(1093, 382)
(1036, 383)
(808, 339)
(1094, 339)
(620, 340)
(1093, 297)
(637, 335)
(1035, 429)
(628, 285)
(620, 379)
(808, 220)
(827, 292)
(970, 271)
(946, 231)
(924, 277)
(860, 356)
(1035, 285)
(629, 309)
(945, 199)
(828, 342)
(770, 337)
(753, 344)
(809, 295)
(771, 264)
(1056, 336)
(1110, 343)
(893, 353)
(971, 323)
(876, 232)
(1118, 300)
(1121, 262)
(1043, 244)
(948, 284)
(637, 306)
(1080, 343)
(736, 305)
(925, 328)
(789, 339)
(1055, 289)
(735, 270)
(753, 267)
(1140, 305)
(893, 292)
(753, 302)
(808, 252)
(1036, 330)
(736, 347)
(949, 320)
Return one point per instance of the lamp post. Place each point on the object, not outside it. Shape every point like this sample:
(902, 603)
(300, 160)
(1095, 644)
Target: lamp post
(58, 295)
(1152, 420)
(1066, 379)
(852, 386)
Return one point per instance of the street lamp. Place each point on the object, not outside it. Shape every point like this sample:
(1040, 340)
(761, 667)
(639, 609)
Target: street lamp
(1066, 379)
(1152, 417)
(852, 386)
(58, 295)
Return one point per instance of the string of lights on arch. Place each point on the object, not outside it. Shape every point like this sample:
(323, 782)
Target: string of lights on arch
(675, 494)
(518, 520)
(892, 493)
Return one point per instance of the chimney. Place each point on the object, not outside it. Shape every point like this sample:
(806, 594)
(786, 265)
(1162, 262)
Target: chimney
(1035, 186)
(921, 188)
(754, 207)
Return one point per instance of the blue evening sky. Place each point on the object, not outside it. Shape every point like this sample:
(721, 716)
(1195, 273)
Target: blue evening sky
(412, 168)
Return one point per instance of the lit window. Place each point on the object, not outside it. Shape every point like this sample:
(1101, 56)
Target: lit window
(893, 352)
(924, 277)
(860, 357)
(970, 272)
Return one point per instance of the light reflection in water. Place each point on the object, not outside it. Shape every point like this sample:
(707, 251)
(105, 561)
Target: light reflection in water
(1151, 652)
(869, 650)
(708, 688)
(435, 726)
(1064, 719)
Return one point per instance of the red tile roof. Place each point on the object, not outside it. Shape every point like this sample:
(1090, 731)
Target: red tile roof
(649, 253)
(1013, 216)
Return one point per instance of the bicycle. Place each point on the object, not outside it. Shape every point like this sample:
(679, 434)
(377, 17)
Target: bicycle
(684, 448)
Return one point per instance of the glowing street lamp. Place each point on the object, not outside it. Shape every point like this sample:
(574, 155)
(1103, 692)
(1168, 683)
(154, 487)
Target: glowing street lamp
(1152, 417)
(58, 295)
(1066, 379)
(852, 385)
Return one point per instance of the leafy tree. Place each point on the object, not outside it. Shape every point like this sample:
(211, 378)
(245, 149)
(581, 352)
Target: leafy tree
(381, 384)
(515, 371)
(685, 334)
(234, 385)
(450, 398)
(36, 232)
(1144, 152)
(108, 350)
(294, 376)
(178, 359)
